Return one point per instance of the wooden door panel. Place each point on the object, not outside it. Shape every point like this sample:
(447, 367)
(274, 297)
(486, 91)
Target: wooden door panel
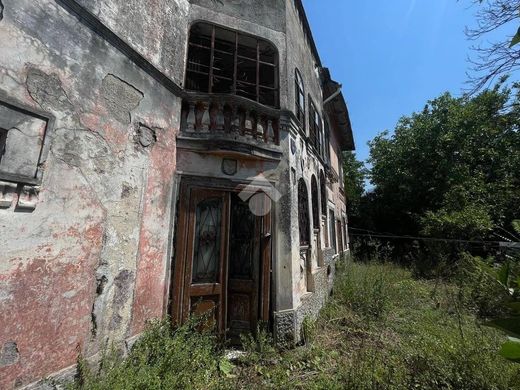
(224, 261)
(239, 313)
(244, 268)
(207, 238)
(207, 309)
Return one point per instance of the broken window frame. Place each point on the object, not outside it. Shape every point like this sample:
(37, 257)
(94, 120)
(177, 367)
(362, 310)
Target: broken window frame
(248, 65)
(300, 98)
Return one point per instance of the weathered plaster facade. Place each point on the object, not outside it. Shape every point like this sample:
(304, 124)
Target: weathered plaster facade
(98, 146)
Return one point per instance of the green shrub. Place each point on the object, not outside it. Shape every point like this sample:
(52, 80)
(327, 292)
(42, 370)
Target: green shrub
(163, 358)
(308, 330)
(383, 329)
(483, 294)
(258, 347)
(368, 288)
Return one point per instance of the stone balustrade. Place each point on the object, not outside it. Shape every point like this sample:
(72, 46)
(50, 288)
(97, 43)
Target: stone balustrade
(206, 115)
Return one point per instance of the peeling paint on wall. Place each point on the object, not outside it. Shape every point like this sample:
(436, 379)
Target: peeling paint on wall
(47, 90)
(120, 98)
(9, 354)
(89, 267)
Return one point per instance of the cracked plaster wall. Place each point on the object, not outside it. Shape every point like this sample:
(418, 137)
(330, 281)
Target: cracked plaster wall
(90, 264)
(87, 266)
(156, 30)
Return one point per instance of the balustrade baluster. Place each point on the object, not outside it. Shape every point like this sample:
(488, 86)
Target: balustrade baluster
(199, 111)
(191, 117)
(206, 120)
(217, 117)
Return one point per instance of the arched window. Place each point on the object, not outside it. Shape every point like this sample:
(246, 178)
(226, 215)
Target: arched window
(300, 98)
(315, 203)
(303, 213)
(226, 61)
(315, 127)
(323, 192)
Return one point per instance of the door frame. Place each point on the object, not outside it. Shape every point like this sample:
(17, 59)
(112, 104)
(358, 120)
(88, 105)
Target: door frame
(178, 284)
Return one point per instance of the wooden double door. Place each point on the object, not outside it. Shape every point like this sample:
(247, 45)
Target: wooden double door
(222, 265)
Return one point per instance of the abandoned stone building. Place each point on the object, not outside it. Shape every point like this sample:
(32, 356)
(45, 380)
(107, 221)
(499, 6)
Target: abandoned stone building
(162, 158)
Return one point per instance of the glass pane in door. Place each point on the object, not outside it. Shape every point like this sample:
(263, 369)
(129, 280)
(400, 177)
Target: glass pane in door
(207, 245)
(243, 247)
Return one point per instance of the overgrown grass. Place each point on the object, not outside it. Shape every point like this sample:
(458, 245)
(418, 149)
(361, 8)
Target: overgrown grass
(386, 330)
(382, 330)
(163, 358)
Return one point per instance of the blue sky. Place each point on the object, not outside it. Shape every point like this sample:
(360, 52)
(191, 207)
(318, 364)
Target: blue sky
(391, 56)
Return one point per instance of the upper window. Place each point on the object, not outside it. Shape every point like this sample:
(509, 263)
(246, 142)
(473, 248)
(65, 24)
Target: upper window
(315, 203)
(300, 98)
(326, 141)
(226, 61)
(315, 127)
(303, 213)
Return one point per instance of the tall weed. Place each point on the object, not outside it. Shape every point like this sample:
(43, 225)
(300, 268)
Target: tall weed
(163, 358)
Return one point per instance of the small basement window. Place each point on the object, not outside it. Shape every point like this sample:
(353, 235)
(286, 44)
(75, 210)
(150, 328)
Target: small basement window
(226, 61)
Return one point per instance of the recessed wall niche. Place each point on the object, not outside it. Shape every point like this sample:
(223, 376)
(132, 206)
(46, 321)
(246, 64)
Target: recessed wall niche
(23, 143)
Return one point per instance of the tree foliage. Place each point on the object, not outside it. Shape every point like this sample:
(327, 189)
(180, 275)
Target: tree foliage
(451, 170)
(354, 176)
(498, 58)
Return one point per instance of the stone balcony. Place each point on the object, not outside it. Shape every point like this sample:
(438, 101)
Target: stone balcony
(221, 122)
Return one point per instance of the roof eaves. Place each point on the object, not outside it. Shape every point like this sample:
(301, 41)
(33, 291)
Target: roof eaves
(308, 31)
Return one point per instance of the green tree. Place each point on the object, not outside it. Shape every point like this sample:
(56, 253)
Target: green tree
(451, 170)
(354, 176)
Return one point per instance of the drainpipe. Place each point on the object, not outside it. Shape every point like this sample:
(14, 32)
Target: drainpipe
(329, 99)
